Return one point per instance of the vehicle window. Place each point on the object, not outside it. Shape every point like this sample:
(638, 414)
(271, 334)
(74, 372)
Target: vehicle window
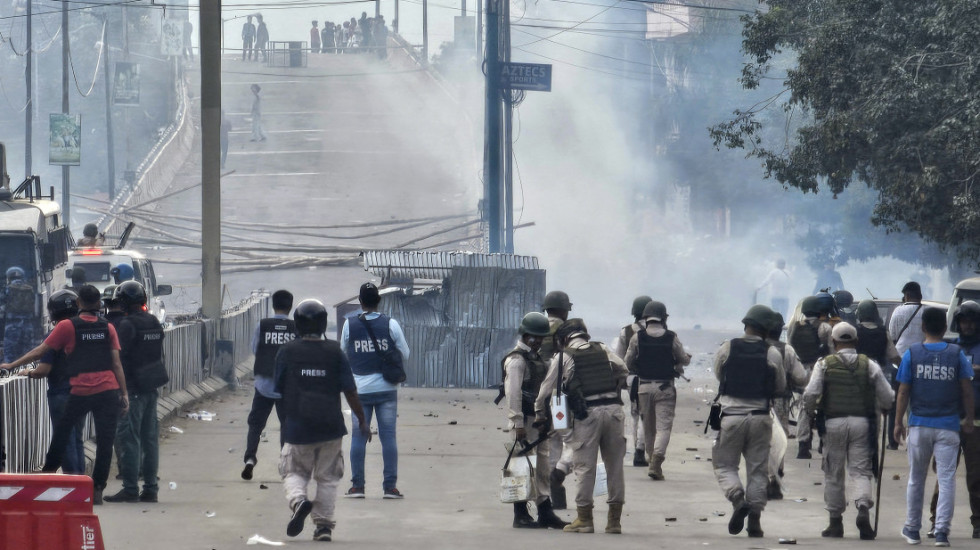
(151, 278)
(17, 250)
(95, 272)
(137, 271)
(965, 295)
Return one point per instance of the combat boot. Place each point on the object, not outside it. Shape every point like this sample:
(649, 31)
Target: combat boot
(655, 472)
(755, 524)
(804, 453)
(739, 510)
(547, 518)
(864, 524)
(612, 519)
(523, 519)
(640, 458)
(558, 500)
(836, 528)
(582, 523)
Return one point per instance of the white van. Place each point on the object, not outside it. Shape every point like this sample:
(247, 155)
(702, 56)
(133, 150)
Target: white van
(98, 263)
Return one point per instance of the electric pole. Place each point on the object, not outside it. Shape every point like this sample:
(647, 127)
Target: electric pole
(507, 98)
(210, 35)
(492, 128)
(65, 171)
(28, 80)
(110, 142)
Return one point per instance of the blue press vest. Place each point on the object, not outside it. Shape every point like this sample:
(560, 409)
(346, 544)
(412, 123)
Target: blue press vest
(360, 349)
(935, 381)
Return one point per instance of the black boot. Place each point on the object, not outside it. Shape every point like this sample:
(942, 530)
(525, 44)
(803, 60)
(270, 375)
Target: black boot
(804, 453)
(755, 525)
(864, 524)
(547, 518)
(523, 519)
(774, 491)
(639, 458)
(737, 522)
(558, 490)
(836, 528)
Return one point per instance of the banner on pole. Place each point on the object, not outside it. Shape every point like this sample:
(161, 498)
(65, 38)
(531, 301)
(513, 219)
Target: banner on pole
(126, 87)
(172, 37)
(65, 142)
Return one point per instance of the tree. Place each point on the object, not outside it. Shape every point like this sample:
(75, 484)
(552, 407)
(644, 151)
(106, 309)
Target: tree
(883, 93)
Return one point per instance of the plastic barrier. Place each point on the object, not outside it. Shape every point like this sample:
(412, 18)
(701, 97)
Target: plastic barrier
(48, 511)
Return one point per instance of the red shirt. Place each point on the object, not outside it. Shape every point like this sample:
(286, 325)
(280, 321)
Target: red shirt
(62, 338)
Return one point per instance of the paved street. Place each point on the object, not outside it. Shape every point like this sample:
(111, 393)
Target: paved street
(449, 474)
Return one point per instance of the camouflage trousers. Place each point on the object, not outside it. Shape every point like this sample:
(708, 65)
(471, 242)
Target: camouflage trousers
(18, 338)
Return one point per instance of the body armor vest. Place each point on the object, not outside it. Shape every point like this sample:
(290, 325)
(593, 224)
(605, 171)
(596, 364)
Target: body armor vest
(746, 371)
(592, 370)
(847, 389)
(872, 342)
(273, 333)
(142, 358)
(655, 360)
(806, 341)
(311, 384)
(92, 352)
(535, 371)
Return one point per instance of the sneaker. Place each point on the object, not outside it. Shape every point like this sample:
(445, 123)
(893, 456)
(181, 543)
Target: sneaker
(295, 525)
(393, 493)
(942, 538)
(247, 471)
(910, 536)
(354, 492)
(323, 533)
(931, 533)
(123, 496)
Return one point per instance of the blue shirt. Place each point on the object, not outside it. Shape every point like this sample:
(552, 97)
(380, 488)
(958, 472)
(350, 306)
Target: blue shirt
(905, 376)
(265, 385)
(374, 383)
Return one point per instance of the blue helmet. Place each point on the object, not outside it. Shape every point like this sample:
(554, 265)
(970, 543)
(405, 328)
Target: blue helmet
(122, 272)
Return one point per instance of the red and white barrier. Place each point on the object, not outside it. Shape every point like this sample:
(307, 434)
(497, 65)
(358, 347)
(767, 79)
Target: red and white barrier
(47, 512)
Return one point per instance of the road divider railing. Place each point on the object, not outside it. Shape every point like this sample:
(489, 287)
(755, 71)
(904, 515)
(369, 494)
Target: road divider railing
(48, 511)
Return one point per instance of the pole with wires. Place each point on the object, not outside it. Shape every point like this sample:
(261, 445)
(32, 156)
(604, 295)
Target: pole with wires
(65, 174)
(29, 85)
(508, 145)
(492, 130)
(110, 141)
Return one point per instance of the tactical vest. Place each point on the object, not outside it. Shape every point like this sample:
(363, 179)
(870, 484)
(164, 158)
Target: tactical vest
(592, 370)
(142, 357)
(847, 389)
(655, 360)
(360, 349)
(935, 381)
(311, 385)
(92, 351)
(273, 333)
(548, 348)
(972, 352)
(20, 299)
(746, 373)
(628, 332)
(873, 342)
(114, 317)
(806, 341)
(535, 371)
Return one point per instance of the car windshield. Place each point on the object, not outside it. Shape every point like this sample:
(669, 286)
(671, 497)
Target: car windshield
(96, 273)
(964, 295)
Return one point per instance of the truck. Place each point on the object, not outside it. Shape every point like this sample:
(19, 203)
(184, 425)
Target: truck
(98, 261)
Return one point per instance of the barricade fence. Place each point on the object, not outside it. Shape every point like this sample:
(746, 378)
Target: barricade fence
(25, 425)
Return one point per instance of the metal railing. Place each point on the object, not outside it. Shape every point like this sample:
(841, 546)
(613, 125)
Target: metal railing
(25, 426)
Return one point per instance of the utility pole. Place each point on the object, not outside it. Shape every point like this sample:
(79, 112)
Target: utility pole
(425, 31)
(65, 174)
(28, 80)
(507, 97)
(110, 142)
(462, 8)
(492, 128)
(394, 23)
(377, 8)
(210, 35)
(479, 29)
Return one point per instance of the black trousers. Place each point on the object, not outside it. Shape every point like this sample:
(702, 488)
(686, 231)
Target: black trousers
(105, 409)
(257, 418)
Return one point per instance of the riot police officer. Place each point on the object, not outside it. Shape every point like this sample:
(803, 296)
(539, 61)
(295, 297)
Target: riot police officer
(810, 337)
(556, 306)
(873, 341)
(632, 381)
(18, 315)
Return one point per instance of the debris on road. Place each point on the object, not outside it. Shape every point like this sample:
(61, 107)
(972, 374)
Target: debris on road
(787, 541)
(176, 430)
(210, 514)
(173, 485)
(259, 539)
(202, 415)
(452, 422)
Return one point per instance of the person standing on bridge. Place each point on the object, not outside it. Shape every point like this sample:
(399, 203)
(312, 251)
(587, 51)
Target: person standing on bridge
(311, 373)
(258, 134)
(261, 39)
(314, 39)
(368, 333)
(248, 38)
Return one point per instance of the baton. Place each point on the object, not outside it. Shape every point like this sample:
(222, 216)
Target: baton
(528, 447)
(881, 468)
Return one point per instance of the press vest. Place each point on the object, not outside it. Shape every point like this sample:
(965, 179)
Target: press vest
(806, 341)
(360, 349)
(935, 381)
(146, 349)
(746, 372)
(273, 333)
(872, 342)
(548, 349)
(655, 360)
(535, 371)
(311, 384)
(847, 389)
(592, 370)
(972, 352)
(92, 352)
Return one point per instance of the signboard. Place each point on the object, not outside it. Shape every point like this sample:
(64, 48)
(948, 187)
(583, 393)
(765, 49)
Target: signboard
(65, 143)
(172, 37)
(525, 76)
(126, 86)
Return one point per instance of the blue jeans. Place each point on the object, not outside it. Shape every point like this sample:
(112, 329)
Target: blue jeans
(74, 461)
(923, 444)
(138, 439)
(386, 405)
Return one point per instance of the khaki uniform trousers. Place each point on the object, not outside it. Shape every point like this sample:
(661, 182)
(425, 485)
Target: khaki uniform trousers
(657, 411)
(602, 433)
(745, 436)
(846, 442)
(542, 464)
(322, 463)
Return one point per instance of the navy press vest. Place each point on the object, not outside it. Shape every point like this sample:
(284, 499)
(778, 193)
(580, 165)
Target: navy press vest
(935, 381)
(360, 349)
(273, 334)
(92, 352)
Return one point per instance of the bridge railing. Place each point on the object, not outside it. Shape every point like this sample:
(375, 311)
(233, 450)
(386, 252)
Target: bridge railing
(189, 351)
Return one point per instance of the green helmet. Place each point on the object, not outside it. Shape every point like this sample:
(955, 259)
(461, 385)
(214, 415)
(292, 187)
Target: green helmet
(758, 316)
(811, 306)
(570, 327)
(535, 324)
(867, 310)
(655, 310)
(556, 299)
(638, 304)
(776, 322)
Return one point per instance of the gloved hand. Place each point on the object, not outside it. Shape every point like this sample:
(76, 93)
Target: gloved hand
(540, 420)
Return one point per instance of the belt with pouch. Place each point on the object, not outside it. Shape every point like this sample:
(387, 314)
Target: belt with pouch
(750, 413)
(604, 401)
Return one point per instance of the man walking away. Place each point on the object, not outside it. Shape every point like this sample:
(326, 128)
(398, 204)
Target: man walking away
(778, 281)
(270, 335)
(557, 306)
(311, 373)
(361, 330)
(810, 337)
(905, 326)
(851, 391)
(620, 345)
(874, 342)
(750, 374)
(936, 386)
(258, 134)
(248, 38)
(966, 322)
(796, 378)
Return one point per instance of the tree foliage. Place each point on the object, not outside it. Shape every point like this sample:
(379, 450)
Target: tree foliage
(882, 92)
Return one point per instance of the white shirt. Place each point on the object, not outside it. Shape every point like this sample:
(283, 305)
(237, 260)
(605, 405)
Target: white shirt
(913, 334)
(778, 282)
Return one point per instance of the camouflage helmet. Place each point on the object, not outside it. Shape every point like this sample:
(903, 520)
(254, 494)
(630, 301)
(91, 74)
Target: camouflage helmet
(655, 310)
(758, 316)
(569, 328)
(556, 299)
(638, 304)
(535, 324)
(810, 306)
(867, 310)
(970, 309)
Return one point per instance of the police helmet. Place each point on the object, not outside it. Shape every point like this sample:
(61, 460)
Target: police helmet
(867, 311)
(556, 299)
(638, 304)
(969, 309)
(109, 295)
(826, 303)
(776, 322)
(311, 318)
(90, 230)
(758, 316)
(122, 272)
(569, 328)
(15, 273)
(62, 305)
(843, 298)
(535, 324)
(129, 294)
(655, 311)
(810, 306)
